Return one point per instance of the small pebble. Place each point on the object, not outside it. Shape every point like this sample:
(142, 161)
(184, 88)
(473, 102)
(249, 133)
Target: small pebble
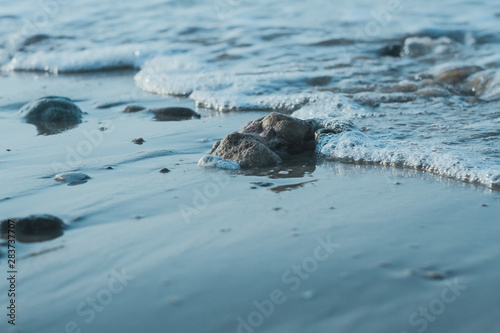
(133, 108)
(109, 168)
(164, 170)
(71, 177)
(484, 205)
(138, 141)
(262, 184)
(277, 208)
(8, 149)
(102, 129)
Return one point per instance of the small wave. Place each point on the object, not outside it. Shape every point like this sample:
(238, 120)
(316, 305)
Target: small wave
(354, 146)
(107, 58)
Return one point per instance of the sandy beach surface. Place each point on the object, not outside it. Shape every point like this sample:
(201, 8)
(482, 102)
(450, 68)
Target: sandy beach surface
(310, 246)
(383, 216)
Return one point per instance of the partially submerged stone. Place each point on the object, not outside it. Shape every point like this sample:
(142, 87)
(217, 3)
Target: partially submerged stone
(457, 75)
(34, 228)
(174, 114)
(283, 134)
(269, 140)
(133, 108)
(138, 141)
(73, 178)
(392, 50)
(52, 114)
(247, 149)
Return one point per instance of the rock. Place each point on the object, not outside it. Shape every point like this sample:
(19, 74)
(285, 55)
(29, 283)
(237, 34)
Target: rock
(174, 114)
(107, 105)
(266, 141)
(164, 170)
(133, 108)
(52, 114)
(138, 141)
(457, 75)
(211, 161)
(392, 50)
(283, 134)
(247, 149)
(73, 178)
(34, 228)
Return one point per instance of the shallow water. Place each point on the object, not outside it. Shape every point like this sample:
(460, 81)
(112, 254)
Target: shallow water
(204, 245)
(319, 59)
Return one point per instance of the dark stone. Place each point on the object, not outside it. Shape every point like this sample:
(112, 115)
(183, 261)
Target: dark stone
(52, 114)
(262, 184)
(392, 50)
(248, 149)
(108, 105)
(283, 134)
(267, 141)
(133, 108)
(34, 228)
(174, 114)
(164, 170)
(138, 141)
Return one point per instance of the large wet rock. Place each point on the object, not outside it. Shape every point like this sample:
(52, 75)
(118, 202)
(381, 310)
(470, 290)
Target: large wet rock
(247, 149)
(267, 141)
(283, 134)
(34, 228)
(52, 114)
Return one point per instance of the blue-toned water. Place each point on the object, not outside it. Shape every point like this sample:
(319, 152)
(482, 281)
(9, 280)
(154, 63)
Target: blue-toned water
(381, 65)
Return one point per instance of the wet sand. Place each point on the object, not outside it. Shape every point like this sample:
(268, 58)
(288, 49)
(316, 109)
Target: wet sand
(306, 247)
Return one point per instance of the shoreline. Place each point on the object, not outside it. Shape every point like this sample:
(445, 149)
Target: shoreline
(205, 246)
